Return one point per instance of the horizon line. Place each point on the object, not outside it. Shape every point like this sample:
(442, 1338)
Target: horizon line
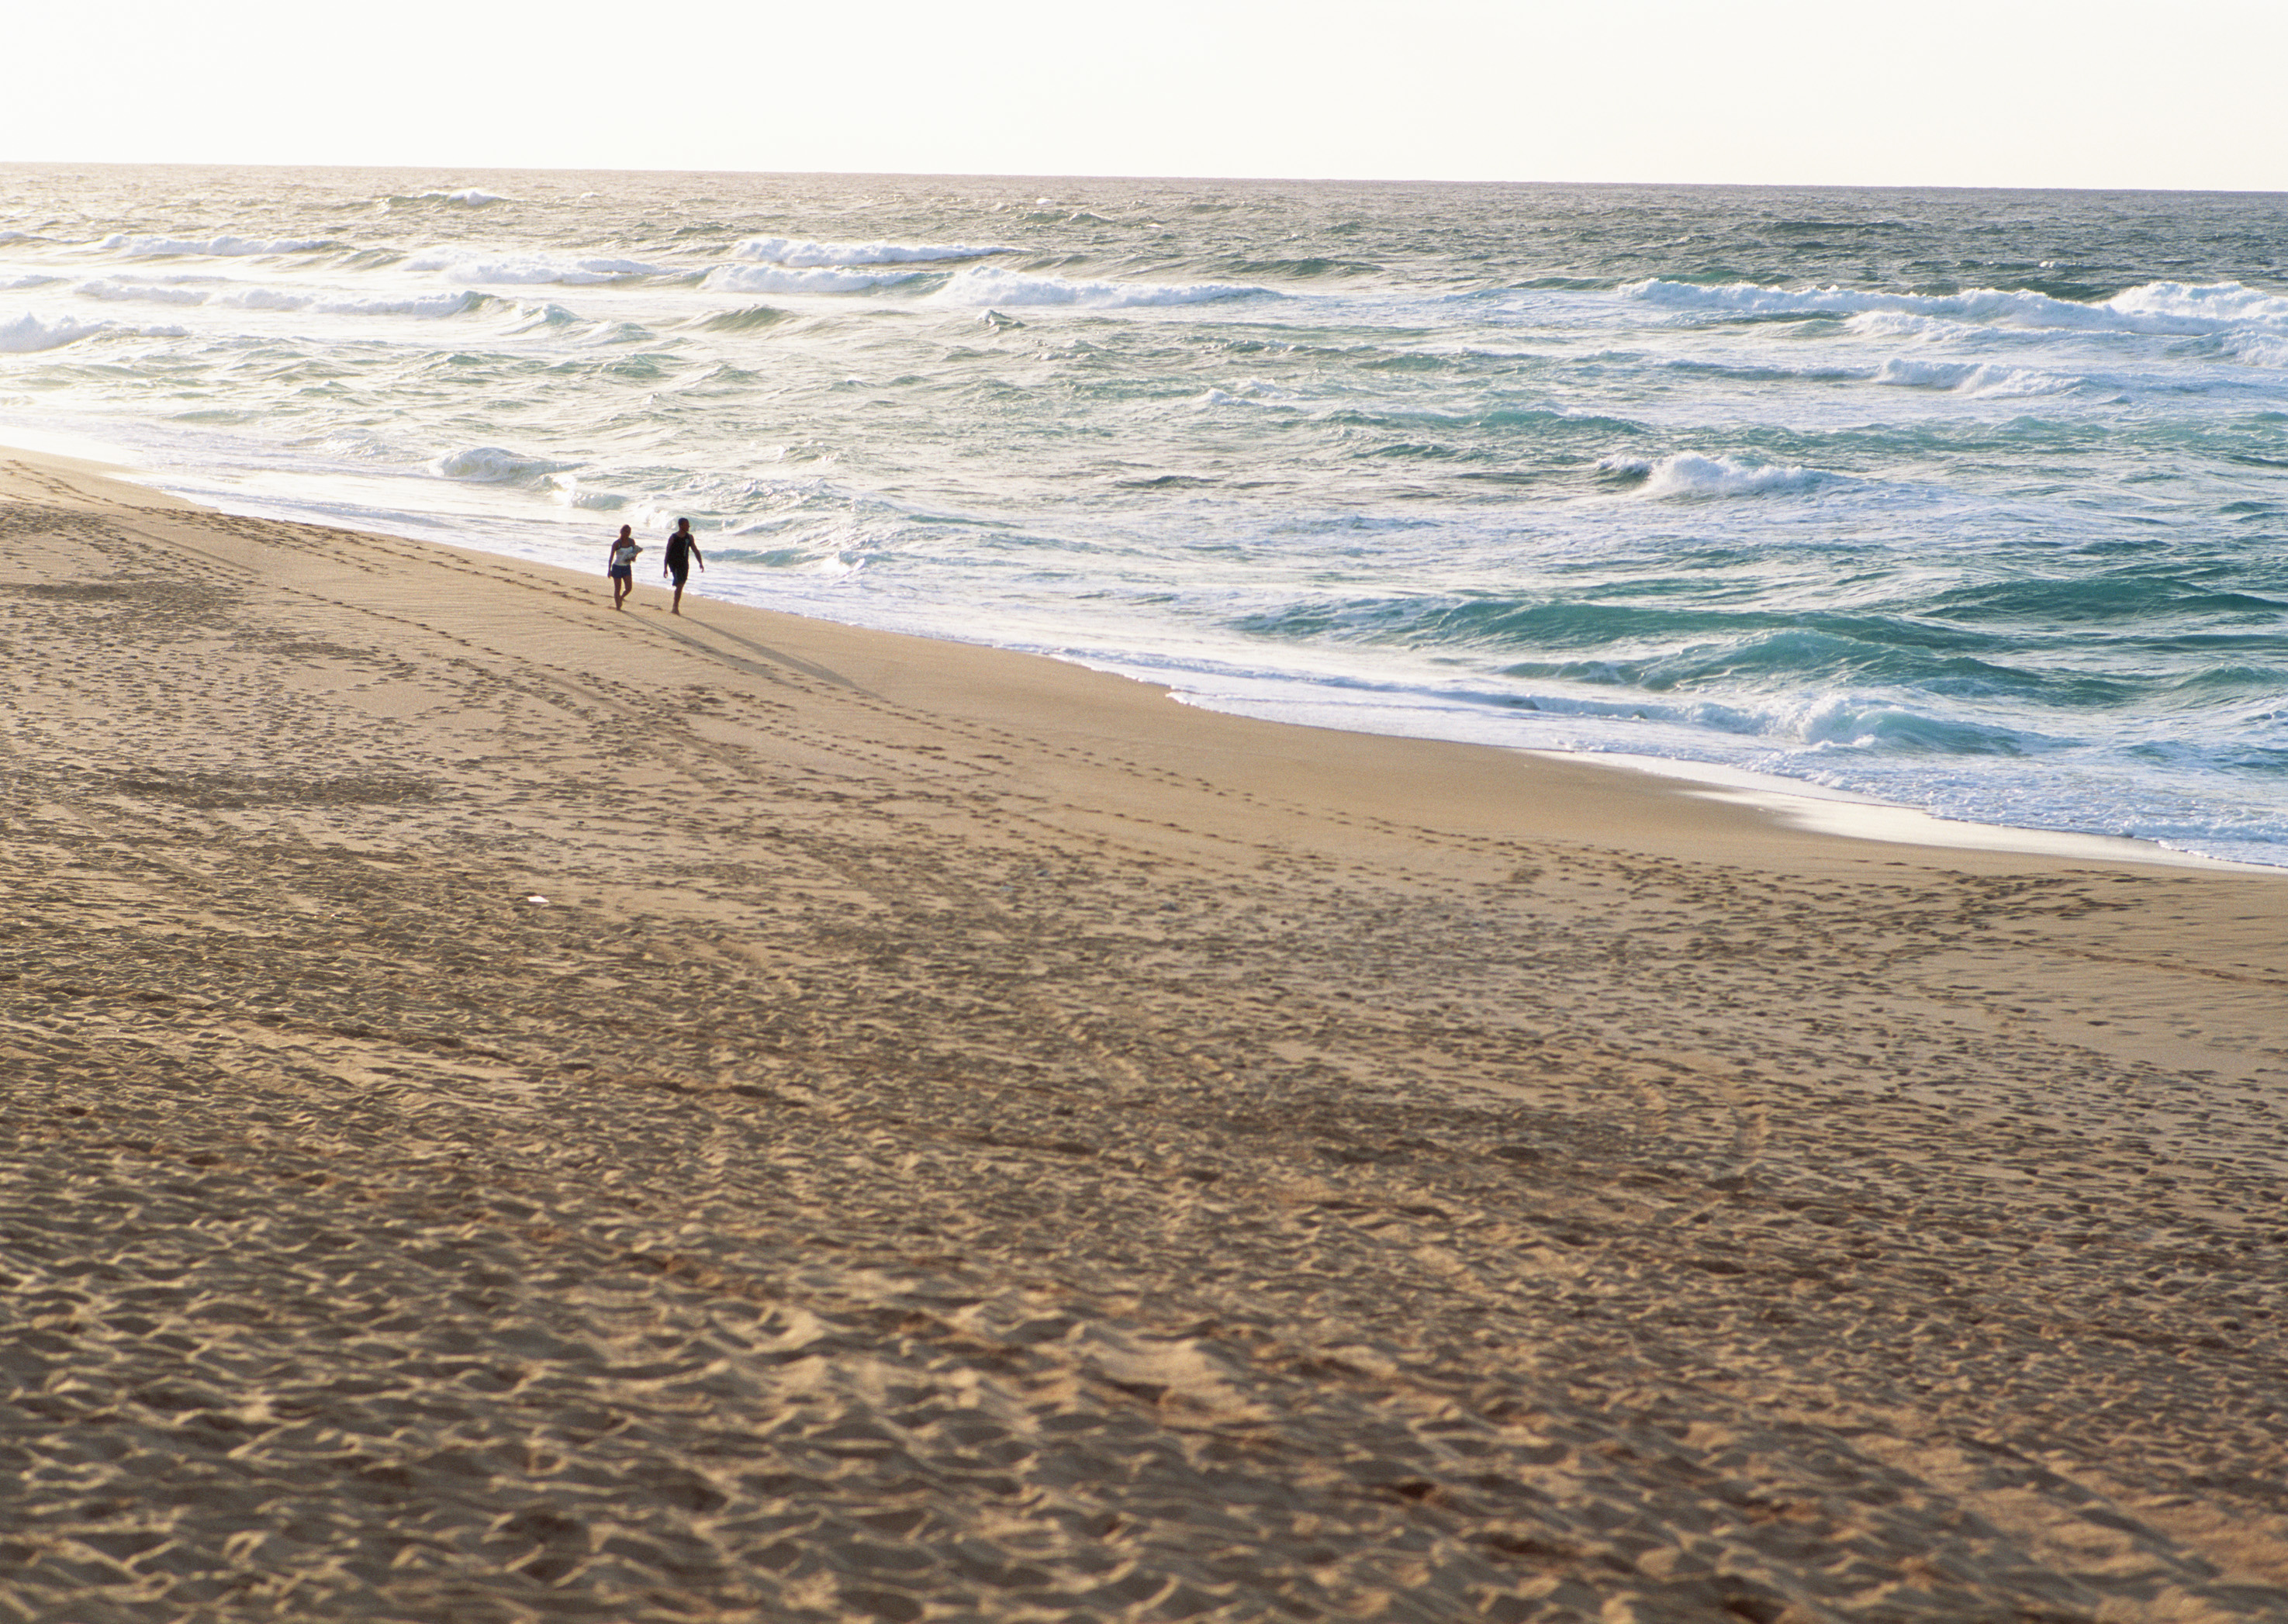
(1141, 177)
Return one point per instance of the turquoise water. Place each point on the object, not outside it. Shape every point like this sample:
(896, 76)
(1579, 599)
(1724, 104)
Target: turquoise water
(1971, 501)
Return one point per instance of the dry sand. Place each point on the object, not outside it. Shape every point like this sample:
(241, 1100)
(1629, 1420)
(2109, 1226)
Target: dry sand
(967, 1138)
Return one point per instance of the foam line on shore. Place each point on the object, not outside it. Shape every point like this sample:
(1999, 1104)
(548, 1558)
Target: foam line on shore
(1856, 818)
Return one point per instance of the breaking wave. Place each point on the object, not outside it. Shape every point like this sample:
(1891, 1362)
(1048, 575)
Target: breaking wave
(779, 279)
(516, 270)
(2151, 307)
(800, 253)
(104, 287)
(996, 285)
(142, 247)
(28, 333)
(1690, 475)
(492, 466)
(426, 304)
(468, 197)
(1965, 377)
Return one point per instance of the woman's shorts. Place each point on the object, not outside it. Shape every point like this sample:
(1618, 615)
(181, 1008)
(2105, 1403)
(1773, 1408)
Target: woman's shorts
(622, 572)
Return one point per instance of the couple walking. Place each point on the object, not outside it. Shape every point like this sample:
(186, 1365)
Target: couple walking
(682, 549)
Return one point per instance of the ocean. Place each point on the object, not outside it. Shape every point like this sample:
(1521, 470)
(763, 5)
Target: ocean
(1971, 501)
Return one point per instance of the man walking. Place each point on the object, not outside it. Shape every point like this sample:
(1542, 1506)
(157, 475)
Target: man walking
(682, 548)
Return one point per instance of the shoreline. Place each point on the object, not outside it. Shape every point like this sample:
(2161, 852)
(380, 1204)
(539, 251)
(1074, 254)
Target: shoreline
(1855, 817)
(1791, 802)
(520, 1111)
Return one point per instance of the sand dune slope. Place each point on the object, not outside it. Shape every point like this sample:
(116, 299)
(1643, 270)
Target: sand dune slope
(514, 1111)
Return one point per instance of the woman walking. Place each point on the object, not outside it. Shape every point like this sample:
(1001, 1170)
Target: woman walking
(622, 568)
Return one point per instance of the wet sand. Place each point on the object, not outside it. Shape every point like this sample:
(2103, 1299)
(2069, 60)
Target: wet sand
(517, 1111)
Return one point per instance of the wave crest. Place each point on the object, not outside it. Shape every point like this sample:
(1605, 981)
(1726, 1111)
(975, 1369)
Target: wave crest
(800, 253)
(1688, 474)
(780, 279)
(492, 466)
(467, 197)
(104, 287)
(2151, 307)
(424, 304)
(754, 318)
(2259, 349)
(226, 246)
(519, 270)
(995, 285)
(27, 333)
(1968, 379)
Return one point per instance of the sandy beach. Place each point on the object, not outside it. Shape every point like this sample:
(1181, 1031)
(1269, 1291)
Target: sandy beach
(520, 1111)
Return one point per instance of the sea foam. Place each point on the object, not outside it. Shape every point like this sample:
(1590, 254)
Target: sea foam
(798, 252)
(514, 270)
(2151, 307)
(152, 293)
(467, 197)
(260, 298)
(1690, 475)
(2206, 302)
(146, 247)
(1969, 378)
(779, 279)
(492, 466)
(424, 304)
(27, 332)
(2258, 350)
(997, 285)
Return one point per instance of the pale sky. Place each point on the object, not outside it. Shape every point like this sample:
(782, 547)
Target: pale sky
(2004, 92)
